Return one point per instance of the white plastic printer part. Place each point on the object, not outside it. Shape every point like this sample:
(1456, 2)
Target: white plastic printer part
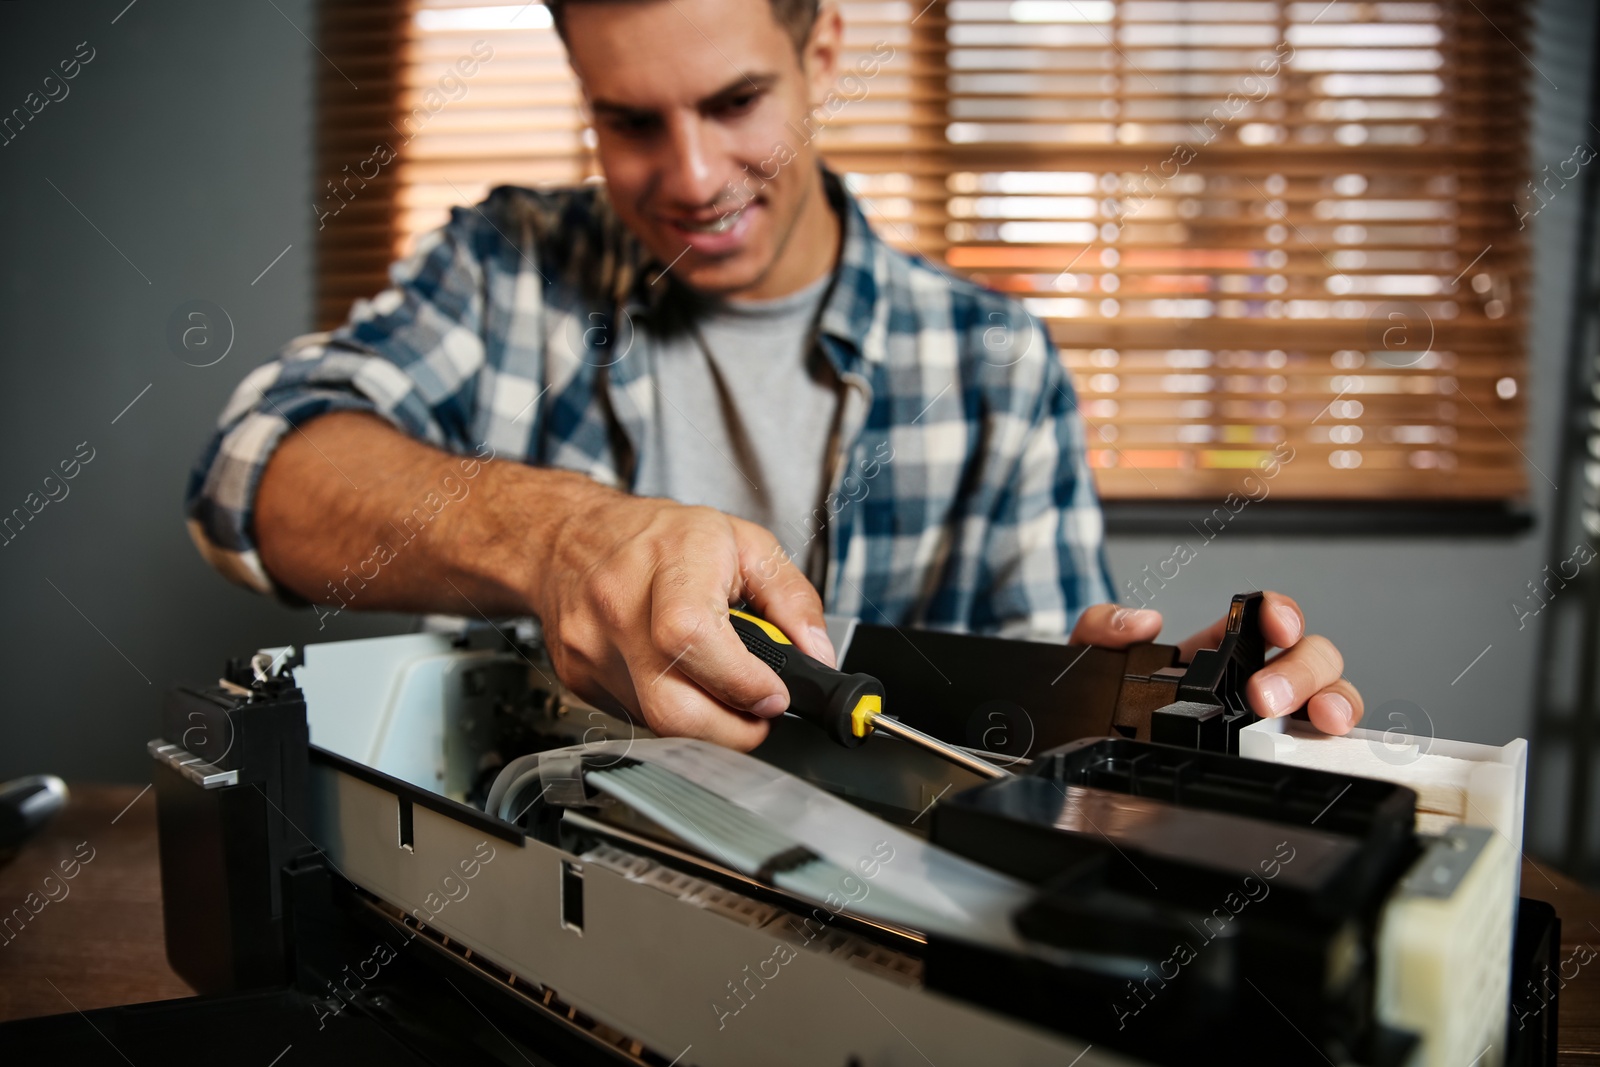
(413, 705)
(1444, 940)
(1444, 949)
(1456, 782)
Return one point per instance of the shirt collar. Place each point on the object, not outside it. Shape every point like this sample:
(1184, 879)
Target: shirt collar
(855, 313)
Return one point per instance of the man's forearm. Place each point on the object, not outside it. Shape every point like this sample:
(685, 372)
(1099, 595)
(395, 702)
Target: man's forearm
(352, 511)
(633, 591)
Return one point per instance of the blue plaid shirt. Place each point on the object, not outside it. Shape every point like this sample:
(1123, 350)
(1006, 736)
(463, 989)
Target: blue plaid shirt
(961, 499)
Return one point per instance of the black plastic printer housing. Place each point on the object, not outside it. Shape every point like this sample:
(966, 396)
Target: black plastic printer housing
(1175, 887)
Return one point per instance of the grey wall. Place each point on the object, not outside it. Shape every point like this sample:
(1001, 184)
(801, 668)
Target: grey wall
(186, 141)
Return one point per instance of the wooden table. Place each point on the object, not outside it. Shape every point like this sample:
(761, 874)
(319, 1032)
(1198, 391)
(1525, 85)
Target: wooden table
(102, 943)
(1579, 909)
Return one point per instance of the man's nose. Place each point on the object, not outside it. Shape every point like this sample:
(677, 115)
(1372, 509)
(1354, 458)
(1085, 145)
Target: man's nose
(693, 166)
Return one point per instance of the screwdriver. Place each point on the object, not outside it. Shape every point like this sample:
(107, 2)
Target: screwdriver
(848, 707)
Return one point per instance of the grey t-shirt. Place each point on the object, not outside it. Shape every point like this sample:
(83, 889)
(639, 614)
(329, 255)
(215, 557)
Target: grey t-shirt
(746, 412)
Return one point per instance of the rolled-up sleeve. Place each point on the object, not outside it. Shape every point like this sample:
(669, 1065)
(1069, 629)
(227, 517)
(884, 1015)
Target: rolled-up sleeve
(411, 355)
(1045, 560)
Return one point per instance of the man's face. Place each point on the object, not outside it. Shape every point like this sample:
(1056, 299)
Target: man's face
(693, 102)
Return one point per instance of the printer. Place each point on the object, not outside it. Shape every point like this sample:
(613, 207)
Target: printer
(422, 849)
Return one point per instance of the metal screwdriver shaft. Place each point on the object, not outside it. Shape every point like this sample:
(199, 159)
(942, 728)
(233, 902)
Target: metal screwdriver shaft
(896, 728)
(848, 706)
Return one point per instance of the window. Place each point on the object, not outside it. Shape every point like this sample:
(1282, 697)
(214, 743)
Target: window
(1257, 230)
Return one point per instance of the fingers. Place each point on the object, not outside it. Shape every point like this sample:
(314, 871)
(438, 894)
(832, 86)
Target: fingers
(1336, 709)
(647, 687)
(639, 622)
(1110, 626)
(1307, 673)
(1282, 621)
(709, 685)
(673, 706)
(1282, 624)
(1294, 677)
(689, 625)
(779, 593)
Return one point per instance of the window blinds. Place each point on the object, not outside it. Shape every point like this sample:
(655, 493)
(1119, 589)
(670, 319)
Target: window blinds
(1267, 236)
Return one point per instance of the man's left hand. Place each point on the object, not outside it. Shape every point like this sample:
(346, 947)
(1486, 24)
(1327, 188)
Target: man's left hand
(1307, 672)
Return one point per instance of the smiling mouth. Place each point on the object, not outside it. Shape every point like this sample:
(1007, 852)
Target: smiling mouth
(721, 224)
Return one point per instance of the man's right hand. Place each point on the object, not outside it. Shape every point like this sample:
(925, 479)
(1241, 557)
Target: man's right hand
(633, 594)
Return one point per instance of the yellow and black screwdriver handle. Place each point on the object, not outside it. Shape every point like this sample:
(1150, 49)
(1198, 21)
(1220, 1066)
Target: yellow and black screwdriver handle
(842, 704)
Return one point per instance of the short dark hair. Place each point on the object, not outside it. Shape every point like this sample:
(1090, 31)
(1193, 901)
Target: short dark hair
(796, 16)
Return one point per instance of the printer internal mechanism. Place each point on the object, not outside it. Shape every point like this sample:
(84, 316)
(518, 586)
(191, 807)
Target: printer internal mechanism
(990, 852)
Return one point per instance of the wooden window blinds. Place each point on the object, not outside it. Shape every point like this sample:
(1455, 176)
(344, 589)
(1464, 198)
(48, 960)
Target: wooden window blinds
(1263, 234)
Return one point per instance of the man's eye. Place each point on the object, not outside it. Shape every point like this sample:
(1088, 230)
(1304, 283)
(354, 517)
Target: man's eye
(632, 125)
(738, 105)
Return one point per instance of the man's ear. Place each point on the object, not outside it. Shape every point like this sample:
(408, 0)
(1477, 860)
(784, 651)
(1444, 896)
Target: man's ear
(820, 57)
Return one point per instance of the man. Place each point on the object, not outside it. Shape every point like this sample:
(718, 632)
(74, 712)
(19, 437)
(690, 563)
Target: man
(706, 381)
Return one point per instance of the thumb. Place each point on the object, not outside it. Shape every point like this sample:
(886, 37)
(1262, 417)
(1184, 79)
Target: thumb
(1111, 626)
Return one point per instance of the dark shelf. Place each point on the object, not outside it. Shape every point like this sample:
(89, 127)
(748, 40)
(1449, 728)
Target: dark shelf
(1361, 518)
